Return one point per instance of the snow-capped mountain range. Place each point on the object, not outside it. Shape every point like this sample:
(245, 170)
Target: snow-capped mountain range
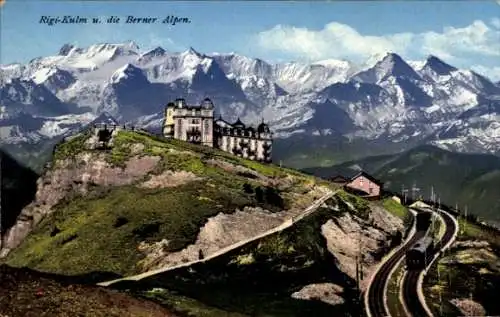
(387, 98)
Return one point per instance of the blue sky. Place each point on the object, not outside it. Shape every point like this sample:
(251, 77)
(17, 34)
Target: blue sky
(464, 33)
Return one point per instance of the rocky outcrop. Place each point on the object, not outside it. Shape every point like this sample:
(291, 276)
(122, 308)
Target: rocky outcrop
(325, 292)
(469, 307)
(170, 179)
(73, 177)
(350, 237)
(477, 253)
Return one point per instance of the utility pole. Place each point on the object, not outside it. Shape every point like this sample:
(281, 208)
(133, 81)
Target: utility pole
(404, 192)
(465, 222)
(440, 297)
(360, 251)
(432, 194)
(414, 190)
(433, 200)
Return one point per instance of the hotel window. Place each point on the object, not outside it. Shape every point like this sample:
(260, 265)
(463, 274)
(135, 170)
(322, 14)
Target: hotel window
(207, 127)
(370, 190)
(179, 128)
(360, 182)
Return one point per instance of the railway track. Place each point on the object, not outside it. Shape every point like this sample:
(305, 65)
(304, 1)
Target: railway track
(410, 290)
(377, 288)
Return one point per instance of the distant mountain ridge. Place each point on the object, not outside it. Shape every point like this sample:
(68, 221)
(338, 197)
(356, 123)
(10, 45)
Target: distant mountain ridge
(388, 100)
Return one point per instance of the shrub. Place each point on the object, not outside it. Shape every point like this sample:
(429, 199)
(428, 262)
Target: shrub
(273, 197)
(259, 194)
(247, 188)
(120, 221)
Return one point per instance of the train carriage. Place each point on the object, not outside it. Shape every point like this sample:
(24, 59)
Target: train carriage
(418, 256)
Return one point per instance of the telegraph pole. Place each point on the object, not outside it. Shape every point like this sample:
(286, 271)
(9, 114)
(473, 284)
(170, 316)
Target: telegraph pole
(360, 250)
(433, 199)
(440, 297)
(432, 194)
(404, 192)
(465, 222)
(414, 189)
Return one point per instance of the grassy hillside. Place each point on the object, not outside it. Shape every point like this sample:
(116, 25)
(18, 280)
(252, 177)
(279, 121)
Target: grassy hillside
(466, 179)
(100, 230)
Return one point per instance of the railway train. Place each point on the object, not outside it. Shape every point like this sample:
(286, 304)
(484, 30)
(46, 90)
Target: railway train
(424, 219)
(420, 254)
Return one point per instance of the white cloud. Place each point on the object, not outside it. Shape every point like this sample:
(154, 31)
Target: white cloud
(337, 40)
(496, 22)
(334, 40)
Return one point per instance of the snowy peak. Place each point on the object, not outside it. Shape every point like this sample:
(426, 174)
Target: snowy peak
(156, 52)
(113, 50)
(191, 59)
(302, 78)
(131, 45)
(128, 72)
(235, 65)
(192, 52)
(65, 49)
(391, 65)
(53, 78)
(437, 66)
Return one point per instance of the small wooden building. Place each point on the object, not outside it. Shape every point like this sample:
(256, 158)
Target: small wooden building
(363, 182)
(359, 183)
